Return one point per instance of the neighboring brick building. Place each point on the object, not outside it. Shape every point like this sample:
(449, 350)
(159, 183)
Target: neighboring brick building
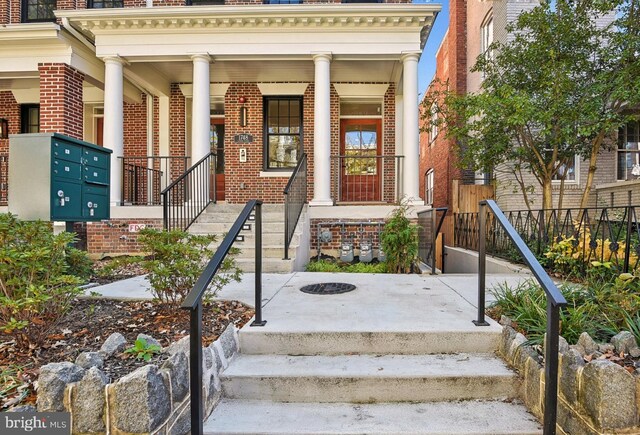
(164, 82)
(473, 25)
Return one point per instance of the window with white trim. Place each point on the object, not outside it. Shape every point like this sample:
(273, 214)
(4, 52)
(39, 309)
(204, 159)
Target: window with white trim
(629, 152)
(428, 187)
(567, 170)
(433, 132)
(283, 132)
(486, 33)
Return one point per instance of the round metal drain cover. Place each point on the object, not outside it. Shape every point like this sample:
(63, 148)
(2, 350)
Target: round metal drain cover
(328, 288)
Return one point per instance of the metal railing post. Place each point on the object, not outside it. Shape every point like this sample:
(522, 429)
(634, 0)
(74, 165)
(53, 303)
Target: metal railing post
(482, 263)
(286, 226)
(258, 280)
(551, 369)
(434, 236)
(195, 366)
(627, 246)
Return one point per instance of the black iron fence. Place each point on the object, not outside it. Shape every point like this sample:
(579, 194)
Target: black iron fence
(366, 178)
(555, 299)
(193, 303)
(295, 197)
(190, 194)
(602, 234)
(145, 177)
(430, 224)
(4, 178)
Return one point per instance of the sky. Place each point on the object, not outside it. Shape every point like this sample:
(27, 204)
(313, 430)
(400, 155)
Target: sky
(427, 65)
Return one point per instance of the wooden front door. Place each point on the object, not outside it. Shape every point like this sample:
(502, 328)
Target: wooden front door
(217, 146)
(360, 166)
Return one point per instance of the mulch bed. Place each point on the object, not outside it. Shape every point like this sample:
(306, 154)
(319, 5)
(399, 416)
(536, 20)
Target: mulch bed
(91, 321)
(108, 270)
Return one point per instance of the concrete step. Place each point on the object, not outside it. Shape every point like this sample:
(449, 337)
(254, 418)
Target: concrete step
(218, 216)
(369, 378)
(223, 227)
(268, 251)
(450, 418)
(326, 341)
(222, 207)
(269, 265)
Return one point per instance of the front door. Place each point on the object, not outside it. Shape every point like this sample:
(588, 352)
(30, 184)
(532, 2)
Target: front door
(217, 146)
(361, 165)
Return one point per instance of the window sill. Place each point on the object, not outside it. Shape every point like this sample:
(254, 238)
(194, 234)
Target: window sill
(276, 174)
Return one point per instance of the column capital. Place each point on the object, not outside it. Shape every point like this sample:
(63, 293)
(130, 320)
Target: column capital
(320, 56)
(114, 59)
(410, 55)
(201, 57)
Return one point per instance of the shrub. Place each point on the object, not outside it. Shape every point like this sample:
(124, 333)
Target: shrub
(35, 281)
(177, 261)
(399, 240)
(79, 263)
(327, 265)
(601, 308)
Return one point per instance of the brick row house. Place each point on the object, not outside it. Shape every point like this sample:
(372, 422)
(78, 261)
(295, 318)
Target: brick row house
(164, 83)
(473, 26)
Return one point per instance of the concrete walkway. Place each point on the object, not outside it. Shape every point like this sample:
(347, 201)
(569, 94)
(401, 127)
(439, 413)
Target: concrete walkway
(463, 285)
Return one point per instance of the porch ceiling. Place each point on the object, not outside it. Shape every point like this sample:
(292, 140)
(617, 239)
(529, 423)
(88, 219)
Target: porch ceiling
(283, 70)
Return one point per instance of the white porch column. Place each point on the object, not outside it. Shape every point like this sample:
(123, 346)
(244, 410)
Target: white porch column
(410, 128)
(322, 131)
(113, 136)
(201, 110)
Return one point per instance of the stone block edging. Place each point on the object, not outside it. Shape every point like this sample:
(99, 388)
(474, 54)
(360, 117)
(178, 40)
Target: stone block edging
(149, 400)
(594, 398)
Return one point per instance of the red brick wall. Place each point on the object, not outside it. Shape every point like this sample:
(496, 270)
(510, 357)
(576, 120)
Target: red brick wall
(352, 232)
(177, 127)
(242, 180)
(61, 107)
(9, 110)
(451, 67)
(389, 143)
(15, 7)
(135, 128)
(113, 237)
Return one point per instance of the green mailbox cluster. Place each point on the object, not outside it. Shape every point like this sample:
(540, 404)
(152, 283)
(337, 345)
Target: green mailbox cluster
(55, 177)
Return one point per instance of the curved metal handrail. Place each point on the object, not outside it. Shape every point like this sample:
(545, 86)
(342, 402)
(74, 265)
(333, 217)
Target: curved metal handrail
(555, 301)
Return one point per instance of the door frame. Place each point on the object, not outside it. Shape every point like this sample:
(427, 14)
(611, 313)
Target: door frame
(379, 163)
(220, 178)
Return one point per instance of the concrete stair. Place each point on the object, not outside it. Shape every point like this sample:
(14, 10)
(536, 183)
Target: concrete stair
(440, 381)
(218, 219)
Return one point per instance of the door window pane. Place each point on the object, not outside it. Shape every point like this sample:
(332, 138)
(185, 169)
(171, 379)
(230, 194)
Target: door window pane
(360, 145)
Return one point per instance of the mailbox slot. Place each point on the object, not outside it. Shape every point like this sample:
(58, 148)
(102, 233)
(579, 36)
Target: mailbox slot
(66, 151)
(65, 202)
(95, 206)
(66, 169)
(96, 175)
(96, 159)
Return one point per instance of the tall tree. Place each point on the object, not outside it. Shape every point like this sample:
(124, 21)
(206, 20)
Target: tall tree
(560, 88)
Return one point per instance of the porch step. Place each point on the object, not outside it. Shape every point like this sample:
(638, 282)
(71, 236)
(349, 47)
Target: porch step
(269, 265)
(223, 227)
(225, 216)
(369, 378)
(450, 418)
(327, 341)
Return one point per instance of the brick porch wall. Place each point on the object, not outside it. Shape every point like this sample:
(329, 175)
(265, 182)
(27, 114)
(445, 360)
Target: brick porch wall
(113, 237)
(61, 107)
(9, 110)
(135, 128)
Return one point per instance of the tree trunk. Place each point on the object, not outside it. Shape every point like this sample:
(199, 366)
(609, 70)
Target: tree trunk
(547, 194)
(593, 159)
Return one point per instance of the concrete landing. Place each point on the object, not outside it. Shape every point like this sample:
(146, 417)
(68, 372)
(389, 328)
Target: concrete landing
(451, 418)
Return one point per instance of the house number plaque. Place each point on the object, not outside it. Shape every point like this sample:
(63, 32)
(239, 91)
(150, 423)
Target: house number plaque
(243, 138)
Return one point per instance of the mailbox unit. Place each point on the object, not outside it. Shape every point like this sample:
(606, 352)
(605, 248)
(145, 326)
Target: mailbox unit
(55, 177)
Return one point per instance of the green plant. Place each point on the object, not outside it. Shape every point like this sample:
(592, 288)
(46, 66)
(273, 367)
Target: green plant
(324, 266)
(142, 350)
(79, 263)
(36, 288)
(399, 240)
(327, 265)
(176, 262)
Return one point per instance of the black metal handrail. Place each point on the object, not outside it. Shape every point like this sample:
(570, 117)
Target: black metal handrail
(358, 186)
(555, 301)
(193, 303)
(144, 177)
(4, 178)
(428, 233)
(295, 197)
(190, 194)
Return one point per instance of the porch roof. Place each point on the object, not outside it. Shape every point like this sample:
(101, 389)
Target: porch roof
(241, 31)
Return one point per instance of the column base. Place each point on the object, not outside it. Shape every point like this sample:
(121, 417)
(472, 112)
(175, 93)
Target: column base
(321, 203)
(414, 201)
